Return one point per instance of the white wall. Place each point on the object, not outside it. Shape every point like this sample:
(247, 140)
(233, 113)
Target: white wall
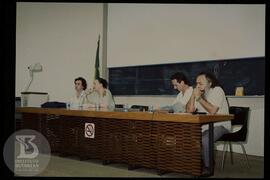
(255, 138)
(171, 33)
(63, 38)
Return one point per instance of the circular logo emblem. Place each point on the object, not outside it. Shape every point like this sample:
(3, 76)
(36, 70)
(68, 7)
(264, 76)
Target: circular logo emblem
(27, 152)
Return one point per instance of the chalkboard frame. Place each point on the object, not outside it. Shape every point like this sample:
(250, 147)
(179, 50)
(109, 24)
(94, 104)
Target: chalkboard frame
(155, 79)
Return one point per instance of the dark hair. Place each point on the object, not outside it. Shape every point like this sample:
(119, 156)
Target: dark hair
(179, 76)
(210, 78)
(84, 83)
(103, 82)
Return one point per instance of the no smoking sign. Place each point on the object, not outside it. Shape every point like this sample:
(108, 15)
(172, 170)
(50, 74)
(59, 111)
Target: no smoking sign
(89, 130)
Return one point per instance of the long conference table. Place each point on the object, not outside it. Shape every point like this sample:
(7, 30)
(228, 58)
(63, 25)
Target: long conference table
(167, 142)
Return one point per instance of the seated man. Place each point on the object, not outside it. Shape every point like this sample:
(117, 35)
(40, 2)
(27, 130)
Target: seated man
(209, 97)
(180, 83)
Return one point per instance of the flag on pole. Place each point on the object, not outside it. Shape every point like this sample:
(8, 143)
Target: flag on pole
(97, 60)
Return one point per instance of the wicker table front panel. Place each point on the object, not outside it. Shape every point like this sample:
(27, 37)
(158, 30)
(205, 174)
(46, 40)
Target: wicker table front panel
(91, 146)
(51, 130)
(115, 135)
(142, 144)
(32, 121)
(179, 147)
(168, 146)
(70, 128)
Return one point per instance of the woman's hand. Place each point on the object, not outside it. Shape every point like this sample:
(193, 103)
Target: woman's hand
(89, 91)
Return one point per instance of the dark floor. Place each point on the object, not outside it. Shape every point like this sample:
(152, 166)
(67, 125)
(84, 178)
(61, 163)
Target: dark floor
(72, 166)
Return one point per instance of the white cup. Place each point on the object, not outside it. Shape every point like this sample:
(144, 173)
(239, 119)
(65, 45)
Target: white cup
(126, 107)
(151, 108)
(97, 106)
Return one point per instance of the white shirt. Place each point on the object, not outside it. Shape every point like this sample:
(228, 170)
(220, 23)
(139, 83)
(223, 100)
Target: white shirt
(78, 101)
(216, 97)
(180, 102)
(183, 98)
(94, 98)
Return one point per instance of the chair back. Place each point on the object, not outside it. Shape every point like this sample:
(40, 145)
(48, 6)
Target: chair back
(241, 115)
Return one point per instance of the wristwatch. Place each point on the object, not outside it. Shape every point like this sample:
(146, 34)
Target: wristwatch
(198, 98)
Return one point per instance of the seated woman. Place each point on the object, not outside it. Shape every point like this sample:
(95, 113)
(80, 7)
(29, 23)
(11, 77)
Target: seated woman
(80, 96)
(101, 95)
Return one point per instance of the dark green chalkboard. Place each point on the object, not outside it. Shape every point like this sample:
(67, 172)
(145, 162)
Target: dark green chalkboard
(155, 79)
